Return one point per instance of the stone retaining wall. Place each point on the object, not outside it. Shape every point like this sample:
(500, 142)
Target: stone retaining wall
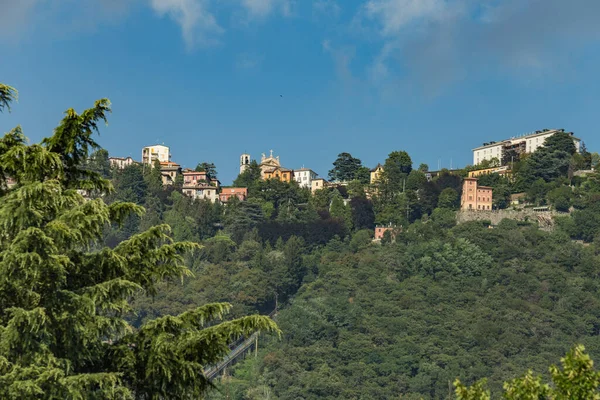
(545, 219)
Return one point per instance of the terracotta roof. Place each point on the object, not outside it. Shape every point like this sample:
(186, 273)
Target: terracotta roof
(234, 190)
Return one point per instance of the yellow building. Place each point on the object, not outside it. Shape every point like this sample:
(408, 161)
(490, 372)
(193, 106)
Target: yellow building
(496, 170)
(375, 173)
(270, 168)
(280, 173)
(318, 184)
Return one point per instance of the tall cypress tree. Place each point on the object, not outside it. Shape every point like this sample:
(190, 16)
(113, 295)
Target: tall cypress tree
(63, 297)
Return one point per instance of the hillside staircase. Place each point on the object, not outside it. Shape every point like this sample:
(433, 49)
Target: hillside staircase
(238, 350)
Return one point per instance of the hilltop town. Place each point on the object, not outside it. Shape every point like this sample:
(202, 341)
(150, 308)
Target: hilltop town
(383, 282)
(493, 161)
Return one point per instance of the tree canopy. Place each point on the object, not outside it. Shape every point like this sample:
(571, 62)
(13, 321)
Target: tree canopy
(64, 297)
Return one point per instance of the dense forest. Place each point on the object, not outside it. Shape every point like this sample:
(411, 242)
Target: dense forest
(401, 318)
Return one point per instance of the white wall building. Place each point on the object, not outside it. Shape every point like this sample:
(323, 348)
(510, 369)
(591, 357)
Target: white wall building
(202, 192)
(157, 152)
(304, 177)
(120, 162)
(526, 143)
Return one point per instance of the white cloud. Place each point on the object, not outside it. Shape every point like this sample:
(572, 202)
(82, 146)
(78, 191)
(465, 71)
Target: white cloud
(437, 42)
(198, 25)
(393, 15)
(15, 13)
(342, 58)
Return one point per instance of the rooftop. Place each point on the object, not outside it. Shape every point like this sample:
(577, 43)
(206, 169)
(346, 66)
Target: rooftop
(525, 136)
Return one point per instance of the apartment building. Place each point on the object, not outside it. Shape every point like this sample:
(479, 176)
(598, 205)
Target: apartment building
(158, 152)
(516, 145)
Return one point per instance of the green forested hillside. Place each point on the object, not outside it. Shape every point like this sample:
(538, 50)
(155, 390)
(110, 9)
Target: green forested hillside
(405, 320)
(401, 318)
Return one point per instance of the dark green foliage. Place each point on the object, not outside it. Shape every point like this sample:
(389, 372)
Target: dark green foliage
(501, 196)
(249, 177)
(347, 168)
(313, 233)
(405, 320)
(98, 163)
(130, 184)
(64, 297)
(448, 199)
(73, 138)
(209, 168)
(560, 141)
(242, 217)
(363, 216)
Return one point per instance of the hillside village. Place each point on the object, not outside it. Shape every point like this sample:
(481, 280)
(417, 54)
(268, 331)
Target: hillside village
(389, 280)
(492, 159)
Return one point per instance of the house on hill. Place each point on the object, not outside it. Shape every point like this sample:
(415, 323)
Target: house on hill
(475, 197)
(197, 185)
(228, 193)
(375, 173)
(169, 172)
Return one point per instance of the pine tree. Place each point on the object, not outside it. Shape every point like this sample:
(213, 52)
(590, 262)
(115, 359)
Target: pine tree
(63, 297)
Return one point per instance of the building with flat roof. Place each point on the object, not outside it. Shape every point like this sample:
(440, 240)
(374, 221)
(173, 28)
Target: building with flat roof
(158, 152)
(506, 149)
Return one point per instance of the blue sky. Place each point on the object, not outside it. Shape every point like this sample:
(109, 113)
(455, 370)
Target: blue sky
(432, 77)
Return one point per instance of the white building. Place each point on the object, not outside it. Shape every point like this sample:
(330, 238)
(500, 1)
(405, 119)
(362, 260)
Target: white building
(157, 152)
(304, 177)
(244, 162)
(523, 144)
(202, 192)
(120, 162)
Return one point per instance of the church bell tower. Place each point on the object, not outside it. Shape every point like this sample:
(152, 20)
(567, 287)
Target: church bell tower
(244, 162)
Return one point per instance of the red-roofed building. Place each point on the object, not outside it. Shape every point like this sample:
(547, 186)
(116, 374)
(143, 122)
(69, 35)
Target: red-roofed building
(228, 193)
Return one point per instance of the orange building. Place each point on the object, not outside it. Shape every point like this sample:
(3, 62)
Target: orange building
(228, 193)
(475, 197)
(270, 168)
(283, 174)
